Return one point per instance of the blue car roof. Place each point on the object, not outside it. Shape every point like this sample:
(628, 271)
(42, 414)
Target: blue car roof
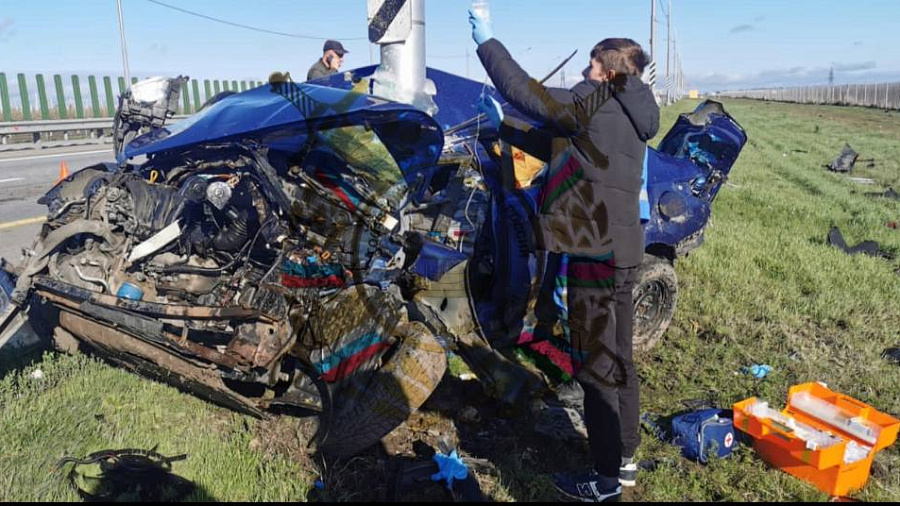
(293, 108)
(456, 96)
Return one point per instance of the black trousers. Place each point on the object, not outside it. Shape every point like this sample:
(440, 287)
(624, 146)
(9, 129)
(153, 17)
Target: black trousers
(601, 320)
(602, 324)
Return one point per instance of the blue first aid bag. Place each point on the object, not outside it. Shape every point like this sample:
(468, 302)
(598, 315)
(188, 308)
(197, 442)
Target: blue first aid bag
(703, 433)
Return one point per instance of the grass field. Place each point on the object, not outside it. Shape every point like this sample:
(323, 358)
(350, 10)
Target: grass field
(765, 288)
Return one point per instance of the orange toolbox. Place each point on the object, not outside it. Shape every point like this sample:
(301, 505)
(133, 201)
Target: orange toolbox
(823, 437)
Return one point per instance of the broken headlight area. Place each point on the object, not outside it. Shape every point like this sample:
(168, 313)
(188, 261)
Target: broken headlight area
(145, 105)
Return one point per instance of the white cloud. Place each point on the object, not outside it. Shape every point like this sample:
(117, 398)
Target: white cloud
(844, 73)
(7, 29)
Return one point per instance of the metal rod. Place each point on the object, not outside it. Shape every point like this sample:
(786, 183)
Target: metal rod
(482, 117)
(122, 41)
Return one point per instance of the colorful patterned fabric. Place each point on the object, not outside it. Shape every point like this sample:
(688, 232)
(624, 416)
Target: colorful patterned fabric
(311, 273)
(343, 190)
(342, 363)
(555, 354)
(561, 181)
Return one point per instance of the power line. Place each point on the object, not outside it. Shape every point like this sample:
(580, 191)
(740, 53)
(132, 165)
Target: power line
(246, 27)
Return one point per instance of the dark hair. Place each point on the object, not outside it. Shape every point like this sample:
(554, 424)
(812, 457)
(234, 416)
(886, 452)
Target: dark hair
(624, 56)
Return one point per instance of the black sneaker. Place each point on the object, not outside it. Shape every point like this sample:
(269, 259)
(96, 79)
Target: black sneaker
(628, 473)
(587, 487)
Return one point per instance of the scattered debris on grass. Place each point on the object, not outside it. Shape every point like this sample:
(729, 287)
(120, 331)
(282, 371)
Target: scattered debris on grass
(892, 355)
(870, 248)
(758, 371)
(845, 161)
(128, 475)
(889, 194)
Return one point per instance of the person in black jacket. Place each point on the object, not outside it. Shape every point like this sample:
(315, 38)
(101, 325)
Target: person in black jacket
(332, 58)
(589, 220)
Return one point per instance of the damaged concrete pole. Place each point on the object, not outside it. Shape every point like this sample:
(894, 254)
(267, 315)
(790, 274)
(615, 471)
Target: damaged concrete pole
(398, 26)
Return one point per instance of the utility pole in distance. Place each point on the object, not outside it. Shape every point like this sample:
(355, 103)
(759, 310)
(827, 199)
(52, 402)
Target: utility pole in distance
(653, 30)
(650, 72)
(669, 55)
(124, 48)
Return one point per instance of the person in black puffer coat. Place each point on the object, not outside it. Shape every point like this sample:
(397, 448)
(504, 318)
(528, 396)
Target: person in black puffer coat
(589, 220)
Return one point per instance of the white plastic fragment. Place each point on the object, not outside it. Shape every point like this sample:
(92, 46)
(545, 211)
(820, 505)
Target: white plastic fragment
(155, 243)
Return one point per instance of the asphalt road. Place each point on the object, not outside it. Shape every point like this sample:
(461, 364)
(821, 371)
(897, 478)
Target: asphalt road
(24, 177)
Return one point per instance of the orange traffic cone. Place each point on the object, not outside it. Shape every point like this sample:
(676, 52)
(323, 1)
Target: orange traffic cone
(63, 172)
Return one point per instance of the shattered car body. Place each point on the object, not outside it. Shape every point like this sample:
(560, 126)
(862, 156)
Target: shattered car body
(309, 248)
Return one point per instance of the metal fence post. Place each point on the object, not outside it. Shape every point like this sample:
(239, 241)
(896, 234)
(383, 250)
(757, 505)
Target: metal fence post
(186, 99)
(121, 85)
(23, 96)
(61, 107)
(196, 88)
(95, 97)
(243, 85)
(225, 86)
(4, 98)
(234, 86)
(207, 89)
(217, 87)
(76, 92)
(42, 97)
(110, 103)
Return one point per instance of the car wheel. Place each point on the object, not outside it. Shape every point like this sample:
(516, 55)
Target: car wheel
(655, 296)
(363, 415)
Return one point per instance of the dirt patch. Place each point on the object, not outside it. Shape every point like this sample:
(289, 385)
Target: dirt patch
(510, 461)
(287, 437)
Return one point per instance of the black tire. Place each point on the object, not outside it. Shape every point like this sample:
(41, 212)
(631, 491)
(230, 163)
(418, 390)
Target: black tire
(363, 416)
(655, 297)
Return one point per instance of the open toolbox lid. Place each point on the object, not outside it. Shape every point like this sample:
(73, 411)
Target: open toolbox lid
(817, 405)
(819, 426)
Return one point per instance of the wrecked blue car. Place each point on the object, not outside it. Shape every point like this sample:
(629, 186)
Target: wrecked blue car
(314, 249)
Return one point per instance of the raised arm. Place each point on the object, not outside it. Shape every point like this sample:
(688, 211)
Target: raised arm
(555, 107)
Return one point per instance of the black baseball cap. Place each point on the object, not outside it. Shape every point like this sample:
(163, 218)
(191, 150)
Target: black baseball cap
(335, 46)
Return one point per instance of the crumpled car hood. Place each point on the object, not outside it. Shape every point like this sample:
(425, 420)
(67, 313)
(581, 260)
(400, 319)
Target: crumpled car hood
(269, 114)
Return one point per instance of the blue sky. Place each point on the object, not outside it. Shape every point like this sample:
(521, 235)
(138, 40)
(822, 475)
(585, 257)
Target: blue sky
(725, 44)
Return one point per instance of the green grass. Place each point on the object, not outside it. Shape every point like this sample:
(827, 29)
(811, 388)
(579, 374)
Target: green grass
(765, 288)
(81, 406)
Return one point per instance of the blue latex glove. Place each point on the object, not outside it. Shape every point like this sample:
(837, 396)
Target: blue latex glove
(481, 28)
(488, 105)
(450, 468)
(758, 371)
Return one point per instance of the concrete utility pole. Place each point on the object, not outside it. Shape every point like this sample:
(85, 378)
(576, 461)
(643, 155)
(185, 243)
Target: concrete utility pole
(124, 47)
